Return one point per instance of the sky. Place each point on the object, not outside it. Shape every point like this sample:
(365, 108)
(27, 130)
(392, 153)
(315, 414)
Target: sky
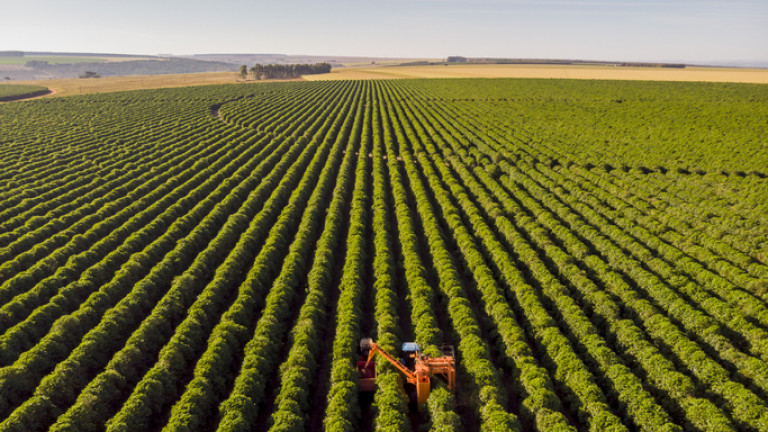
(620, 30)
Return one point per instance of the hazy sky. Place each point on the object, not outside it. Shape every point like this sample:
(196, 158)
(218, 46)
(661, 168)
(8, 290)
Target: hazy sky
(684, 30)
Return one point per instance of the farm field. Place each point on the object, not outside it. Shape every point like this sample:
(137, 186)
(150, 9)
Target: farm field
(50, 59)
(711, 74)
(208, 258)
(76, 86)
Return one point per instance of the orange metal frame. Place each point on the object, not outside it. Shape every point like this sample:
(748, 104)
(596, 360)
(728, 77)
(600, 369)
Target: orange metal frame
(425, 367)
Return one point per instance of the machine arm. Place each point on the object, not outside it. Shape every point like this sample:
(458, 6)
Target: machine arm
(424, 368)
(375, 349)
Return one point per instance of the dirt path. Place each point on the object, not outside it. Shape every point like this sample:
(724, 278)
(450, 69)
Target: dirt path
(215, 111)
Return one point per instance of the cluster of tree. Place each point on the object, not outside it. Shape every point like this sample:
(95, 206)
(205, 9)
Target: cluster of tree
(280, 71)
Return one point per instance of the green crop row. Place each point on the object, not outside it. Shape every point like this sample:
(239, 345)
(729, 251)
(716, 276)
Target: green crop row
(208, 258)
(239, 411)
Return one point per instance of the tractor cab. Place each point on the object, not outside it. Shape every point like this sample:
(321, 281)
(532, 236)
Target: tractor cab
(408, 353)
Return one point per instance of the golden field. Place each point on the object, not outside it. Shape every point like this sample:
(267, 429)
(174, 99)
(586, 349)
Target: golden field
(74, 86)
(550, 71)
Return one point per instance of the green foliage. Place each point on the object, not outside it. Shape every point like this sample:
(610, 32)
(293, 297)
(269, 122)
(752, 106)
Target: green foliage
(597, 266)
(10, 92)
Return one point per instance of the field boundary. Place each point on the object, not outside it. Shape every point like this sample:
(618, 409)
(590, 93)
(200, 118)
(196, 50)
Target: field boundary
(27, 96)
(580, 72)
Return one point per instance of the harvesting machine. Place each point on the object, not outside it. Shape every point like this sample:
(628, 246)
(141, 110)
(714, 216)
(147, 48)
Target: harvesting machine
(418, 368)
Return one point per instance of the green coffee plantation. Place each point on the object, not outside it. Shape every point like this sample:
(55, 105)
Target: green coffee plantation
(208, 258)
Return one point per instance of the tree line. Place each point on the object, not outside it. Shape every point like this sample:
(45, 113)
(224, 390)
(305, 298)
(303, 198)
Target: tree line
(278, 71)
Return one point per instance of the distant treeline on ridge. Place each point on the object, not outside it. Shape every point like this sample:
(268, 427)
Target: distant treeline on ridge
(483, 60)
(278, 71)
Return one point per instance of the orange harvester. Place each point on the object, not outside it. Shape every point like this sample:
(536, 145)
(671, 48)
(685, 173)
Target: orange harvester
(423, 367)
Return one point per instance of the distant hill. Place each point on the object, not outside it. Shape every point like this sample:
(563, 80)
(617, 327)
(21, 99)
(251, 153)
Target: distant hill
(74, 54)
(46, 65)
(20, 65)
(336, 61)
(137, 67)
(759, 64)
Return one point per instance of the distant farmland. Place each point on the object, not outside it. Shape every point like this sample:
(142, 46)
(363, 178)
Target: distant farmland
(35, 67)
(50, 59)
(602, 72)
(208, 258)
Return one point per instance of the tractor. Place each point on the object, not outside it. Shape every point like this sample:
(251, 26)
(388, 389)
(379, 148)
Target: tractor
(418, 368)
